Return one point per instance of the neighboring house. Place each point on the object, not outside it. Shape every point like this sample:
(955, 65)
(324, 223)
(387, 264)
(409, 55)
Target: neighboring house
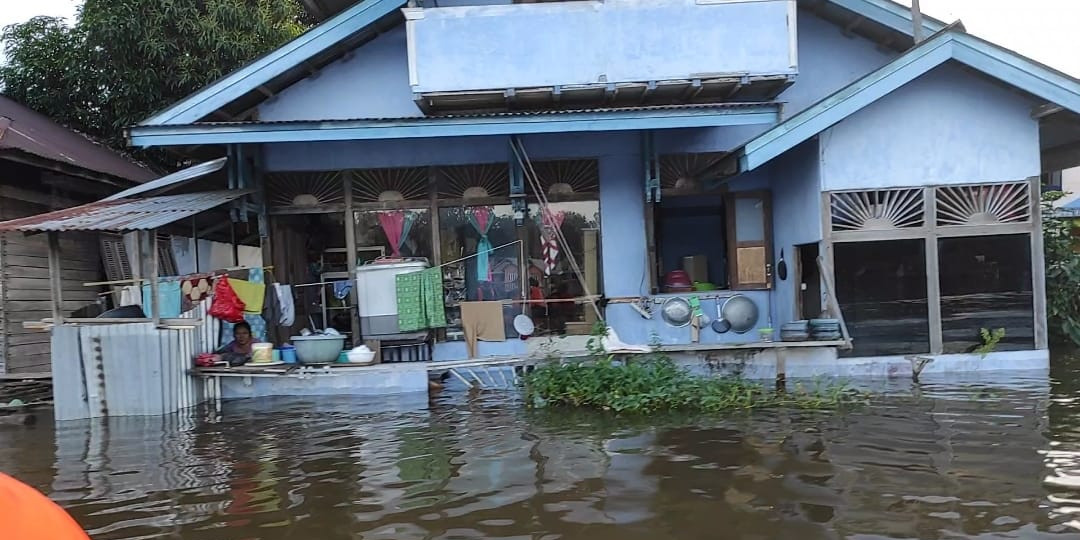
(44, 166)
(813, 133)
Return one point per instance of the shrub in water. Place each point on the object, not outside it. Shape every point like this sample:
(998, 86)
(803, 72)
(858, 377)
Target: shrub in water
(654, 383)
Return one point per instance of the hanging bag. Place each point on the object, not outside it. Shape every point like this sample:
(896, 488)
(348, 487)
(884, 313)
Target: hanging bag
(226, 305)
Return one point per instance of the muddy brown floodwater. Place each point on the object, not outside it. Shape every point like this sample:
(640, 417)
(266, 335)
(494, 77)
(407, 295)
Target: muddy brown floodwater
(950, 458)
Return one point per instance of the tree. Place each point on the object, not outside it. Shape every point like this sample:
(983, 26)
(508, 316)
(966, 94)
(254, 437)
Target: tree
(123, 60)
(1062, 273)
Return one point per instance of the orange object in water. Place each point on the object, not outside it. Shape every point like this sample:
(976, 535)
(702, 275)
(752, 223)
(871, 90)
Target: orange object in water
(26, 514)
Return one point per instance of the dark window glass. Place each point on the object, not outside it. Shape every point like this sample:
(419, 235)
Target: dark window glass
(986, 283)
(881, 288)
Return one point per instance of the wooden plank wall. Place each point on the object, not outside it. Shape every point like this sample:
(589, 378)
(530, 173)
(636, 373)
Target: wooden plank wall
(24, 286)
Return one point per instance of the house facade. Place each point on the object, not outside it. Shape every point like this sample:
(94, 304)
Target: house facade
(807, 155)
(44, 166)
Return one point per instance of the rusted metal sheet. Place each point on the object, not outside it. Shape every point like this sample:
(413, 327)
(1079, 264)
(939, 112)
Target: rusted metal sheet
(125, 214)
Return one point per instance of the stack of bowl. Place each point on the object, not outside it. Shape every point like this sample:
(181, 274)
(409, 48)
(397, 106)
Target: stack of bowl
(825, 330)
(795, 331)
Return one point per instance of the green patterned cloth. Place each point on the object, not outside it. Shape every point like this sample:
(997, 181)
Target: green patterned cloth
(420, 300)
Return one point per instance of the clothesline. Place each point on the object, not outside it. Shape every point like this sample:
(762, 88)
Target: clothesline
(208, 275)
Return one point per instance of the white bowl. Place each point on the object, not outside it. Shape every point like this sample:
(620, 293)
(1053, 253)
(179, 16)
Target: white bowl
(361, 357)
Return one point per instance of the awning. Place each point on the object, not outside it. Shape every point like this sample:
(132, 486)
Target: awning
(124, 215)
(461, 125)
(175, 179)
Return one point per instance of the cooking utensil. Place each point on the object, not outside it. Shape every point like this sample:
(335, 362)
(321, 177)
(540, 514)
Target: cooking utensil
(781, 267)
(741, 312)
(719, 325)
(676, 312)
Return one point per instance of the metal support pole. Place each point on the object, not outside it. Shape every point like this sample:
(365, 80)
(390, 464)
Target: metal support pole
(350, 254)
(917, 21)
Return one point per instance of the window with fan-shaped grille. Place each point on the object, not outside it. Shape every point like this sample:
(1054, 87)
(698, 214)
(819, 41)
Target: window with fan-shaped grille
(689, 173)
(877, 210)
(987, 204)
(304, 189)
(480, 181)
(567, 178)
(390, 185)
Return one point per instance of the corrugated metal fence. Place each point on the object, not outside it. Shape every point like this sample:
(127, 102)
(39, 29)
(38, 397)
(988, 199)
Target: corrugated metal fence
(133, 369)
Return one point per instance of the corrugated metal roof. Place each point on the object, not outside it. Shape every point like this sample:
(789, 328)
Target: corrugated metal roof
(25, 130)
(505, 114)
(173, 180)
(124, 214)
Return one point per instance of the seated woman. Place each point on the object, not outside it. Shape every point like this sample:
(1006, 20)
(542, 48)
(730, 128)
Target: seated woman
(238, 351)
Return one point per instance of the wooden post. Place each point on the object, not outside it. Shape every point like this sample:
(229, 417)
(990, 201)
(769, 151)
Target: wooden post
(151, 245)
(933, 273)
(1038, 267)
(350, 254)
(56, 282)
(781, 368)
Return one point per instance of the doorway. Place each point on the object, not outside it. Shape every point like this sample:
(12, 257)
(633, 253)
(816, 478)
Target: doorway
(808, 279)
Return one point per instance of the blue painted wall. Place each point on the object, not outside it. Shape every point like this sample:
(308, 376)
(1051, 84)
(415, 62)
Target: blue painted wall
(529, 45)
(372, 83)
(949, 126)
(796, 192)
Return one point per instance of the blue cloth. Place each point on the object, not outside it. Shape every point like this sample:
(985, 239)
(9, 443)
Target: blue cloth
(169, 297)
(341, 289)
(255, 275)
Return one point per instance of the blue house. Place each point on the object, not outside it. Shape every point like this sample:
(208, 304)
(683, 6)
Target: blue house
(813, 156)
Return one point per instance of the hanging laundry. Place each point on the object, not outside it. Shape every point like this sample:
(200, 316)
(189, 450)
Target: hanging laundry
(271, 312)
(550, 223)
(226, 305)
(130, 295)
(420, 300)
(168, 298)
(285, 304)
(482, 321)
(250, 293)
(192, 291)
(341, 289)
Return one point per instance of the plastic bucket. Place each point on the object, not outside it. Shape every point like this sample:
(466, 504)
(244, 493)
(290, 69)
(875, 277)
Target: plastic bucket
(262, 353)
(288, 354)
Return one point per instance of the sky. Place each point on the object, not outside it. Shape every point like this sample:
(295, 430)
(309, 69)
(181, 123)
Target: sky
(1042, 29)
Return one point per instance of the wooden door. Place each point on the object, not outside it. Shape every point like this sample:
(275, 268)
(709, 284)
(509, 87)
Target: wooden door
(749, 238)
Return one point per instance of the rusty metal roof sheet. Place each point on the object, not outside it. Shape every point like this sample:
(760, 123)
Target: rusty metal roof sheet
(24, 130)
(124, 214)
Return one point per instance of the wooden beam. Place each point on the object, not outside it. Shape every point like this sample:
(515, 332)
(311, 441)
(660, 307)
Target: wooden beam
(55, 278)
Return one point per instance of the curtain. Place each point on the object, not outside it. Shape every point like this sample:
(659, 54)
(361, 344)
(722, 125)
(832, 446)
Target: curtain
(481, 218)
(396, 225)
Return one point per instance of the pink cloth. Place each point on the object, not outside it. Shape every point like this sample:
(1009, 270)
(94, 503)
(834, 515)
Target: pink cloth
(393, 225)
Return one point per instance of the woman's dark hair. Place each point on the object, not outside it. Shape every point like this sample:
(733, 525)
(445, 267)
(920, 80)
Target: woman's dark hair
(533, 282)
(241, 326)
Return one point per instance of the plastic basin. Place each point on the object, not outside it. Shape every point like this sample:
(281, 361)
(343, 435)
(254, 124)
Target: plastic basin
(318, 349)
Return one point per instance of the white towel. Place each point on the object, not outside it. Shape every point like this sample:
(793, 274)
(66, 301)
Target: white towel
(613, 344)
(285, 301)
(130, 295)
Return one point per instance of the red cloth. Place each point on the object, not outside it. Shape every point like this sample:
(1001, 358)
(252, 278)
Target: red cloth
(393, 225)
(26, 514)
(226, 306)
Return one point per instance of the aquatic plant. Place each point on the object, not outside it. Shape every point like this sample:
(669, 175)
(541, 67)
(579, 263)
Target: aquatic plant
(990, 340)
(654, 383)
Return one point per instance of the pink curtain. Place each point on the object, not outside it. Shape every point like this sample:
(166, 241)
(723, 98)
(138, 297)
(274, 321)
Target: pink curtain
(393, 224)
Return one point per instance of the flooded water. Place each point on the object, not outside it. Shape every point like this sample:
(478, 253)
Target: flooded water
(944, 459)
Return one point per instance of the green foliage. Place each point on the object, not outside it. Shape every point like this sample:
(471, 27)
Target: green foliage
(653, 383)
(990, 340)
(1062, 274)
(122, 60)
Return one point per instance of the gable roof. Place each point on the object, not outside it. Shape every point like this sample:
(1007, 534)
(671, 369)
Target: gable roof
(951, 44)
(248, 86)
(33, 137)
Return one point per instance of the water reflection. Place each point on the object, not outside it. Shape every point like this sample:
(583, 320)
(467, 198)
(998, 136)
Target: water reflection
(945, 459)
